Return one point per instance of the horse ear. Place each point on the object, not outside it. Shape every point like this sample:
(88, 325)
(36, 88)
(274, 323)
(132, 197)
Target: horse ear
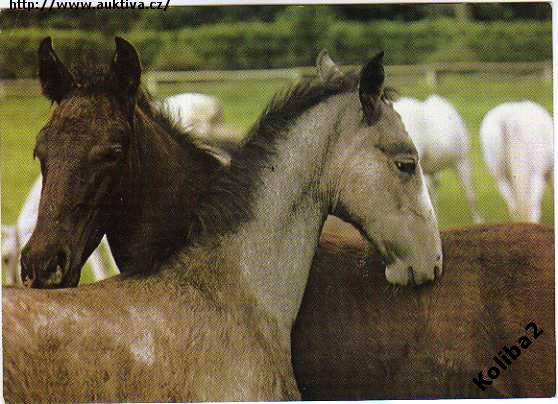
(371, 85)
(328, 71)
(126, 66)
(56, 79)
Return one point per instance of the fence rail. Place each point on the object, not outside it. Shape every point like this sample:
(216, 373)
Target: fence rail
(429, 73)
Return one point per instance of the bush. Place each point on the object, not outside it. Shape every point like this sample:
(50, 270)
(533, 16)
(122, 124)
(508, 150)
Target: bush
(524, 41)
(293, 40)
(405, 43)
(253, 45)
(18, 48)
(148, 44)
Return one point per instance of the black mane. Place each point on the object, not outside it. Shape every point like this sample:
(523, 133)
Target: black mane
(228, 202)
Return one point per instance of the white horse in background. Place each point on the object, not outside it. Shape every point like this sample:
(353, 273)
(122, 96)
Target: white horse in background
(203, 116)
(434, 125)
(198, 112)
(441, 139)
(517, 143)
(14, 237)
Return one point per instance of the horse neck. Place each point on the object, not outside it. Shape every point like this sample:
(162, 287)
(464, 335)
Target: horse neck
(161, 184)
(274, 249)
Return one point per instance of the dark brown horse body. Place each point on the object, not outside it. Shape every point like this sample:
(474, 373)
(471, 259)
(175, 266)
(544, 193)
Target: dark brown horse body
(356, 337)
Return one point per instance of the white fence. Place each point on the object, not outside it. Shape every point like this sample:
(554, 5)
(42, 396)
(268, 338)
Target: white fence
(429, 74)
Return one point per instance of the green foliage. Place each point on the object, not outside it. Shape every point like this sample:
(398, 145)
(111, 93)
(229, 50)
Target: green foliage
(148, 44)
(308, 27)
(523, 41)
(294, 39)
(108, 21)
(405, 43)
(18, 48)
(457, 51)
(226, 46)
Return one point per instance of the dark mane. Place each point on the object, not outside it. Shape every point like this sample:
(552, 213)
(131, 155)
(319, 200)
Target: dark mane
(228, 202)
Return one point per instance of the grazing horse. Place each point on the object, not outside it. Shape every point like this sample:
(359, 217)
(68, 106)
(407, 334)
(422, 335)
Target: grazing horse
(213, 321)
(203, 115)
(435, 126)
(16, 236)
(198, 112)
(358, 338)
(517, 143)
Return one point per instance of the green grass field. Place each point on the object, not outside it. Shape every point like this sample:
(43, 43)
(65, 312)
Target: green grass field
(472, 95)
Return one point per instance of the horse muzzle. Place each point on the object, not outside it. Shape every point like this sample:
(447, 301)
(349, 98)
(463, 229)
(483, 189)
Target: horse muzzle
(49, 268)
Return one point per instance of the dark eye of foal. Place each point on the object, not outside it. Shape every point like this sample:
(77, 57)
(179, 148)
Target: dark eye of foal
(407, 167)
(106, 154)
(114, 152)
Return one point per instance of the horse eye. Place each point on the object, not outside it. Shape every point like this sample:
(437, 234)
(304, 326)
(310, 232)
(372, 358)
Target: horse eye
(106, 154)
(114, 152)
(407, 167)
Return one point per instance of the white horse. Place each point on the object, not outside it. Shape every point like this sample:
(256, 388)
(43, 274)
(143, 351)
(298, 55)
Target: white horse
(14, 237)
(203, 116)
(441, 139)
(198, 112)
(517, 143)
(434, 125)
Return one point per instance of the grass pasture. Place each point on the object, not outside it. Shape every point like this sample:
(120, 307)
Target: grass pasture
(473, 95)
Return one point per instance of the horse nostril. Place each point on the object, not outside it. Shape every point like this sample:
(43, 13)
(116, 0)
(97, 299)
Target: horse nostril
(62, 259)
(437, 272)
(411, 276)
(55, 269)
(27, 277)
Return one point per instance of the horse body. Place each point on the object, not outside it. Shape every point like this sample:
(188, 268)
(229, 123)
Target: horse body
(441, 139)
(314, 151)
(109, 342)
(517, 143)
(354, 342)
(14, 239)
(200, 113)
